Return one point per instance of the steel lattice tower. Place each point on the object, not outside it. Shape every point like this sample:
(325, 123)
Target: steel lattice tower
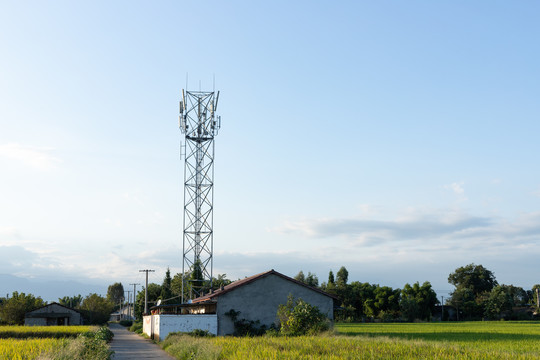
(200, 125)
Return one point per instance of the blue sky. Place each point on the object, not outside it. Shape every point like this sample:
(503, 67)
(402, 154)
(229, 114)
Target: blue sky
(398, 139)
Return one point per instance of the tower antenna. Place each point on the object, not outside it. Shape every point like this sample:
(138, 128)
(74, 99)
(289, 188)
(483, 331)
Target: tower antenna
(199, 124)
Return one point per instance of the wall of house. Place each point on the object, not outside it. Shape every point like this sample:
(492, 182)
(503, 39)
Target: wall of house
(31, 319)
(260, 300)
(162, 325)
(35, 322)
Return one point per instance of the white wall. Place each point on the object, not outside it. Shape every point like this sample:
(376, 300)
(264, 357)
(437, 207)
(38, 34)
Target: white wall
(162, 325)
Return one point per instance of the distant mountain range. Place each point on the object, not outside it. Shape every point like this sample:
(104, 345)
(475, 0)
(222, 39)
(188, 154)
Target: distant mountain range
(48, 290)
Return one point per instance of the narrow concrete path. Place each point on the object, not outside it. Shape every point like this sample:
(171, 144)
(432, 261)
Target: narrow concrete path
(127, 345)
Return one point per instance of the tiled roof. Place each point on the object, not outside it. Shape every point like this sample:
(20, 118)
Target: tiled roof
(251, 279)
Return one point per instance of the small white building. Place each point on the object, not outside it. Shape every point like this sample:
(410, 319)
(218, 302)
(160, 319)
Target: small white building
(257, 298)
(53, 314)
(124, 313)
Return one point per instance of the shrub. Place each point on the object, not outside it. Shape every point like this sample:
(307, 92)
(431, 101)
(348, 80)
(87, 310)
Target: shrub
(137, 327)
(90, 345)
(298, 317)
(243, 327)
(126, 323)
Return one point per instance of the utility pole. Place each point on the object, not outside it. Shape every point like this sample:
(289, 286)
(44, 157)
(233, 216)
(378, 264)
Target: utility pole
(146, 291)
(134, 297)
(442, 310)
(129, 311)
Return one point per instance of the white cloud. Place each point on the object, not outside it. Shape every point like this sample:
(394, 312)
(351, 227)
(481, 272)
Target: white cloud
(457, 188)
(36, 157)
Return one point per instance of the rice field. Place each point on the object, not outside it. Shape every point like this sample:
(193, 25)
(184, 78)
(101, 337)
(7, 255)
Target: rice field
(28, 349)
(31, 342)
(470, 340)
(19, 332)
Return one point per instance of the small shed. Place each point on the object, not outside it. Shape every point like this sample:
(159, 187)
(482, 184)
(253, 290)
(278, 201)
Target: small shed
(257, 298)
(53, 314)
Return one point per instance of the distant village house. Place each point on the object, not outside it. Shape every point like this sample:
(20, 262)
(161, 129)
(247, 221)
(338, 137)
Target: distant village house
(53, 314)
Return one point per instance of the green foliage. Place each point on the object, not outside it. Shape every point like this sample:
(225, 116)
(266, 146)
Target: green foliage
(473, 284)
(154, 293)
(137, 327)
(196, 278)
(73, 302)
(96, 309)
(126, 323)
(300, 276)
(83, 348)
(331, 279)
(13, 309)
(500, 300)
(166, 290)
(342, 276)
(418, 302)
(115, 293)
(297, 317)
(475, 277)
(311, 279)
(176, 285)
(244, 327)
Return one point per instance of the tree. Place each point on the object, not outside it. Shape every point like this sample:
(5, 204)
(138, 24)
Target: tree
(13, 309)
(196, 279)
(356, 296)
(300, 276)
(72, 302)
(297, 317)
(115, 293)
(500, 300)
(312, 280)
(331, 279)
(418, 302)
(96, 309)
(475, 277)
(154, 293)
(342, 276)
(386, 301)
(166, 290)
(473, 284)
(220, 281)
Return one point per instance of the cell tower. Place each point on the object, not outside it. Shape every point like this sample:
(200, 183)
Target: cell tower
(200, 125)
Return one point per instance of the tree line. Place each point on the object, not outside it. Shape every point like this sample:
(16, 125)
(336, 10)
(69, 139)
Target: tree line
(477, 296)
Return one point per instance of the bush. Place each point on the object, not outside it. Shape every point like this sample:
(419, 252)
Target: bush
(137, 327)
(298, 317)
(125, 323)
(90, 345)
(243, 327)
